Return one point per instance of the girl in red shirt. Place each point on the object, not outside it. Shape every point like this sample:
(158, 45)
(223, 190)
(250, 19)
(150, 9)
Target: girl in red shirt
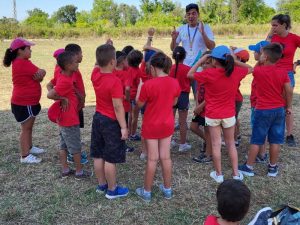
(221, 84)
(26, 94)
(179, 71)
(158, 123)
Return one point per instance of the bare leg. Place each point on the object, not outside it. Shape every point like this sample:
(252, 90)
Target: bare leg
(208, 150)
(182, 125)
(165, 159)
(134, 122)
(77, 158)
(229, 140)
(63, 153)
(252, 154)
(215, 136)
(99, 170)
(26, 136)
(110, 175)
(194, 127)
(274, 153)
(152, 147)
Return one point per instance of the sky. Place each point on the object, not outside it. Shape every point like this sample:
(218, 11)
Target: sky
(50, 6)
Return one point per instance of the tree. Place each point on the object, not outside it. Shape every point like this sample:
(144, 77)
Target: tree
(127, 14)
(214, 11)
(291, 7)
(105, 10)
(66, 14)
(37, 17)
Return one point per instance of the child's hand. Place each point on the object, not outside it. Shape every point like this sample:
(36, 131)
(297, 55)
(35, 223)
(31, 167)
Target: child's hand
(64, 104)
(39, 75)
(288, 111)
(109, 42)
(151, 31)
(124, 133)
(174, 33)
(198, 109)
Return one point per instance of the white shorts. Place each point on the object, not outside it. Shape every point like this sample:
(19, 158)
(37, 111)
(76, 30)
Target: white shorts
(225, 123)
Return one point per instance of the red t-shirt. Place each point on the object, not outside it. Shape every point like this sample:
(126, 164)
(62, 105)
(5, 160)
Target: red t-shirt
(290, 44)
(123, 75)
(270, 82)
(64, 88)
(239, 96)
(26, 90)
(181, 76)
(211, 220)
(135, 75)
(220, 91)
(107, 86)
(159, 94)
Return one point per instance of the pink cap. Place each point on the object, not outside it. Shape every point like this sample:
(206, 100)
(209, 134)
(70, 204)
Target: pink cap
(20, 42)
(57, 52)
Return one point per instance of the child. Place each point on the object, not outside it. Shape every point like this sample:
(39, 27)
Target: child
(158, 123)
(26, 94)
(109, 129)
(199, 118)
(233, 198)
(269, 114)
(262, 156)
(179, 71)
(134, 59)
(68, 121)
(221, 84)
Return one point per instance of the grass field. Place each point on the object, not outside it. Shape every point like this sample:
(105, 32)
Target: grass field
(36, 195)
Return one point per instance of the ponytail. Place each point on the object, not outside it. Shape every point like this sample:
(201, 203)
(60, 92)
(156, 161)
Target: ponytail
(167, 65)
(9, 57)
(179, 55)
(229, 65)
(176, 62)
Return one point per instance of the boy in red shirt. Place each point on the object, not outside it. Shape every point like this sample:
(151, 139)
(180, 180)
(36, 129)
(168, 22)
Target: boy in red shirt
(233, 198)
(109, 129)
(270, 111)
(68, 119)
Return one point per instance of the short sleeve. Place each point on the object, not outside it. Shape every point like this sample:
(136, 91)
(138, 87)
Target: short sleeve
(117, 89)
(200, 76)
(209, 32)
(143, 95)
(178, 39)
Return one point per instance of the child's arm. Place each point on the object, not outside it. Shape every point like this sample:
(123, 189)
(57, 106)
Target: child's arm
(241, 64)
(120, 114)
(199, 108)
(64, 101)
(39, 75)
(127, 93)
(139, 91)
(192, 71)
(50, 86)
(288, 97)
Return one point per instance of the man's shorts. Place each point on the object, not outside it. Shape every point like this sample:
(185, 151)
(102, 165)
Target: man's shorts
(225, 123)
(183, 102)
(200, 120)
(106, 140)
(70, 139)
(23, 113)
(269, 123)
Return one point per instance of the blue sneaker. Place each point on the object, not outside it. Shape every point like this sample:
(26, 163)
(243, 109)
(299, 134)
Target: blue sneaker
(272, 171)
(117, 193)
(135, 137)
(245, 170)
(83, 159)
(166, 192)
(102, 189)
(141, 193)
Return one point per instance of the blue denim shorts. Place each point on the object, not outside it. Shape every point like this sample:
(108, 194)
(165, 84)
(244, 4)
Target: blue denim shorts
(252, 116)
(292, 78)
(271, 123)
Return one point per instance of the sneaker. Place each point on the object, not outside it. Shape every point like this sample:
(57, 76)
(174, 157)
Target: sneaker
(84, 154)
(83, 159)
(166, 192)
(30, 159)
(177, 127)
(141, 193)
(272, 171)
(239, 138)
(245, 170)
(117, 193)
(36, 150)
(71, 172)
(237, 144)
(143, 156)
(239, 177)
(290, 141)
(173, 143)
(135, 137)
(129, 149)
(218, 178)
(261, 217)
(184, 147)
(202, 159)
(262, 159)
(102, 189)
(85, 174)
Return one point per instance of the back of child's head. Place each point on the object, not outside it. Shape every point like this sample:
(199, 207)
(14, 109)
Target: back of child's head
(273, 51)
(73, 48)
(178, 55)
(161, 61)
(233, 198)
(127, 49)
(65, 58)
(223, 55)
(135, 58)
(242, 54)
(104, 54)
(120, 56)
(283, 19)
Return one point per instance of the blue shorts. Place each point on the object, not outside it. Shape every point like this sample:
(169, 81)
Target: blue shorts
(292, 78)
(271, 123)
(252, 116)
(183, 102)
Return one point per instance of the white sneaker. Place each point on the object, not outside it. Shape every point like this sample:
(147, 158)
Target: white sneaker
(36, 150)
(218, 178)
(239, 177)
(30, 159)
(173, 143)
(143, 156)
(184, 147)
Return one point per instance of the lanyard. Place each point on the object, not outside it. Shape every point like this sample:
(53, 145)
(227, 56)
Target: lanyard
(192, 41)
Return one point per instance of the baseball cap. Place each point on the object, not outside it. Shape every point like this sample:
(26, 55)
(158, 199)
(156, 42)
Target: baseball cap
(148, 54)
(258, 46)
(58, 52)
(242, 54)
(220, 52)
(19, 43)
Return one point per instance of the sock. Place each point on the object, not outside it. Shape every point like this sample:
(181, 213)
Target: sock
(167, 189)
(66, 170)
(249, 167)
(79, 173)
(147, 192)
(25, 156)
(272, 165)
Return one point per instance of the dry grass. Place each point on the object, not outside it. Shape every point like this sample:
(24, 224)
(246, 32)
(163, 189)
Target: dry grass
(35, 194)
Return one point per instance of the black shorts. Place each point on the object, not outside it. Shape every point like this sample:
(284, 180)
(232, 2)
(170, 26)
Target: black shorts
(183, 102)
(200, 120)
(106, 140)
(23, 113)
(143, 109)
(81, 118)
